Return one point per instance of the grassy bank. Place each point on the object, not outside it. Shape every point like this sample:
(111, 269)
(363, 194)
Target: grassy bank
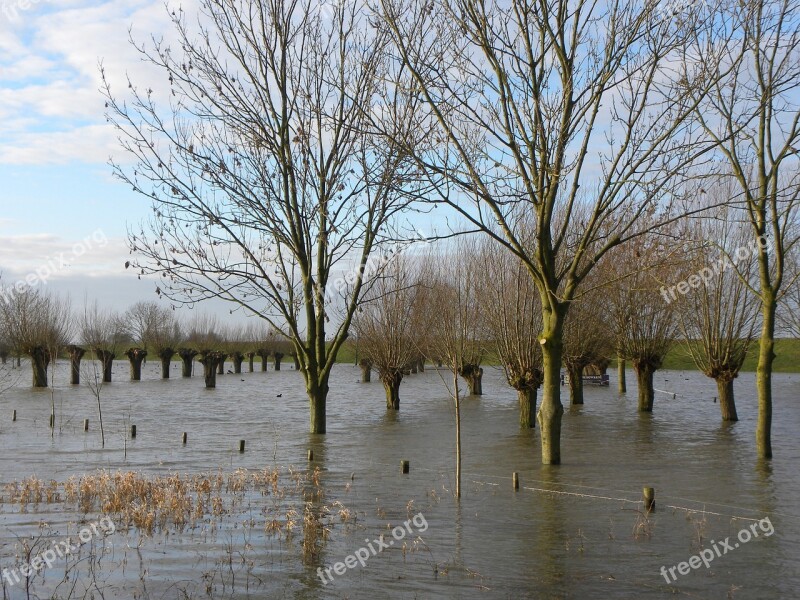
(787, 361)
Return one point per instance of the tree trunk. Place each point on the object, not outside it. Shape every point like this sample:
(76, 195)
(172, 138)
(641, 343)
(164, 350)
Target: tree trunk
(40, 360)
(413, 367)
(3, 357)
(75, 356)
(166, 355)
(391, 383)
(264, 356)
(366, 370)
(623, 386)
(644, 375)
(473, 375)
(575, 384)
(221, 366)
(186, 367)
(726, 402)
(527, 407)
(107, 362)
(421, 365)
(250, 357)
(136, 357)
(551, 410)
(187, 358)
(238, 359)
(209, 373)
(210, 362)
(278, 359)
(766, 356)
(296, 361)
(317, 396)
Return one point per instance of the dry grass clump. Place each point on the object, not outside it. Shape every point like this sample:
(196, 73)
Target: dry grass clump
(156, 503)
(32, 491)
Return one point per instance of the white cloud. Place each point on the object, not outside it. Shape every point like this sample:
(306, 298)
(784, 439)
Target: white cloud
(50, 103)
(94, 255)
(93, 143)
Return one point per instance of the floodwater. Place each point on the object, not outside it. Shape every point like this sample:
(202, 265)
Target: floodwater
(572, 531)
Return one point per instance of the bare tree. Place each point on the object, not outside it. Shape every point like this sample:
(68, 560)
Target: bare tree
(8, 375)
(187, 355)
(719, 314)
(452, 281)
(588, 335)
(5, 346)
(753, 117)
(103, 332)
(389, 324)
(265, 178)
(39, 325)
(456, 275)
(153, 329)
(646, 326)
(237, 346)
(587, 341)
(203, 338)
(253, 341)
(513, 316)
(549, 113)
(136, 357)
(75, 354)
(96, 327)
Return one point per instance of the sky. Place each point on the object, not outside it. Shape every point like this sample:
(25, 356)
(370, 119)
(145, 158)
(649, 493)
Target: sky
(59, 204)
(62, 213)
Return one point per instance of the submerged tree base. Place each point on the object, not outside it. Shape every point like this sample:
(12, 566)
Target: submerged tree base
(727, 403)
(391, 383)
(527, 407)
(645, 371)
(473, 375)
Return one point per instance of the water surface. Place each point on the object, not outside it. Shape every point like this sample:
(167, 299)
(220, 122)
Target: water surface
(572, 531)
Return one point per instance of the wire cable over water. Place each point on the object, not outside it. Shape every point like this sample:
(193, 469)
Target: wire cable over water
(702, 503)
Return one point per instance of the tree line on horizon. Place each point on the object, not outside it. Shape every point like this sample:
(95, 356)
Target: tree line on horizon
(42, 327)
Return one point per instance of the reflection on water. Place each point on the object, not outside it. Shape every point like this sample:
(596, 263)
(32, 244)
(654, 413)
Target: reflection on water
(573, 531)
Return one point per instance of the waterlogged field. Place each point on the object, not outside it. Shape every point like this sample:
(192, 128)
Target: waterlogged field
(151, 517)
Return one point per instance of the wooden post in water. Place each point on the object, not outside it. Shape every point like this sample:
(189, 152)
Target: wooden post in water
(649, 497)
(86, 424)
(14, 416)
(515, 480)
(241, 445)
(310, 455)
(184, 438)
(405, 467)
(52, 421)
(133, 432)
